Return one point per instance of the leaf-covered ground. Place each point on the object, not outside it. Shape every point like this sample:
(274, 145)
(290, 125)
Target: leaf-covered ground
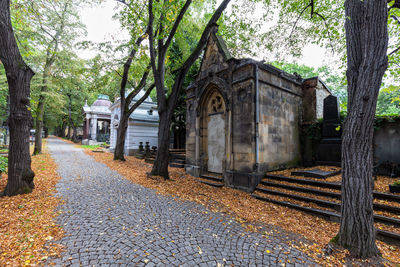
(246, 209)
(27, 221)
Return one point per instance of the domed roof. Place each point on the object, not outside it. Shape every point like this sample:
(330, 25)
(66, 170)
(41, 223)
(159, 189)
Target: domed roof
(102, 101)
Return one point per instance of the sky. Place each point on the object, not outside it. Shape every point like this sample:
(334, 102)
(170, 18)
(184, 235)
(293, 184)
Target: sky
(102, 27)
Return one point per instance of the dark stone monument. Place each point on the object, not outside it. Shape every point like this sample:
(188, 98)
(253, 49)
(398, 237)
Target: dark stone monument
(331, 118)
(141, 149)
(140, 154)
(330, 147)
(147, 149)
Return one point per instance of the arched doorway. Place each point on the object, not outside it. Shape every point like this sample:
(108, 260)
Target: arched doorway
(213, 131)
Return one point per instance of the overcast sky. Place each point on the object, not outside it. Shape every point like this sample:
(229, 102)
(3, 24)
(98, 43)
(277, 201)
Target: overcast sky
(101, 27)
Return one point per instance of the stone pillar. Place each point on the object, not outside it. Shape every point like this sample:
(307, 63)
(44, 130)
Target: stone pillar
(94, 128)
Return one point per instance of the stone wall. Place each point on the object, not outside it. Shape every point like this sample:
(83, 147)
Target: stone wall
(280, 117)
(314, 93)
(243, 120)
(387, 143)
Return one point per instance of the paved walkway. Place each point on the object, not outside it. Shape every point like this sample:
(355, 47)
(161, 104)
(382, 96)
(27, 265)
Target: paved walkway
(110, 221)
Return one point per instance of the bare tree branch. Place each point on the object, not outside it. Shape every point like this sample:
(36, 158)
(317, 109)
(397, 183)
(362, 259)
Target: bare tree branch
(140, 86)
(394, 51)
(298, 18)
(327, 28)
(128, 81)
(311, 5)
(177, 22)
(142, 99)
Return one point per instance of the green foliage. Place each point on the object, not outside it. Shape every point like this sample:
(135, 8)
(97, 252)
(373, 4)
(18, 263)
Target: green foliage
(389, 101)
(396, 183)
(3, 164)
(381, 120)
(314, 130)
(3, 94)
(336, 82)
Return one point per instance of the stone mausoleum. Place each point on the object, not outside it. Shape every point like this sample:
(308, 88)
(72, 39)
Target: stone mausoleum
(97, 118)
(244, 117)
(142, 125)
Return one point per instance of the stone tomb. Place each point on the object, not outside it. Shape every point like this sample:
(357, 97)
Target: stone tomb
(244, 117)
(96, 127)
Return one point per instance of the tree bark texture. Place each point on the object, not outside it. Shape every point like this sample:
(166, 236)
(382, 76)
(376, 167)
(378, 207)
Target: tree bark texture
(166, 105)
(121, 134)
(367, 42)
(161, 162)
(19, 75)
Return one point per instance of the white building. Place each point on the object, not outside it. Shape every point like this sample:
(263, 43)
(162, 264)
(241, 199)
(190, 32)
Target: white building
(142, 125)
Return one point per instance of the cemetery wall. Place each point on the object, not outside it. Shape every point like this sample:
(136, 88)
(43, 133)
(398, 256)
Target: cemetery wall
(387, 143)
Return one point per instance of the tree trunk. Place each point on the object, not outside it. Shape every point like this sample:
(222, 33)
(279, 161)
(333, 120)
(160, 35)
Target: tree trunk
(121, 134)
(19, 75)
(367, 41)
(161, 162)
(39, 126)
(63, 128)
(166, 106)
(74, 134)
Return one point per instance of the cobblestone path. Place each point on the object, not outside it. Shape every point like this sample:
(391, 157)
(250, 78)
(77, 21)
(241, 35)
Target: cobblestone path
(110, 221)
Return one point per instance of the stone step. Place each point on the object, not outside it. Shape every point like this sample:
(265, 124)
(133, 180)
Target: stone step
(312, 197)
(332, 216)
(213, 178)
(178, 156)
(315, 173)
(181, 161)
(304, 181)
(301, 189)
(377, 195)
(177, 165)
(208, 182)
(320, 202)
(336, 206)
(327, 204)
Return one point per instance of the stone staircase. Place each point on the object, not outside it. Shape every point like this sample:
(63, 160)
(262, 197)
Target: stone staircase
(212, 179)
(322, 199)
(177, 158)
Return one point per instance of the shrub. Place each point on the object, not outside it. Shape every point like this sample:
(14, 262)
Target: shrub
(3, 164)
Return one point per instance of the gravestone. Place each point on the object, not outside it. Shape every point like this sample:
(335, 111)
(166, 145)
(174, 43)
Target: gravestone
(331, 118)
(330, 147)
(147, 150)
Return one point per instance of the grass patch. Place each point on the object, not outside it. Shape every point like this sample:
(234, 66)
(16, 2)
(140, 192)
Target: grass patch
(90, 146)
